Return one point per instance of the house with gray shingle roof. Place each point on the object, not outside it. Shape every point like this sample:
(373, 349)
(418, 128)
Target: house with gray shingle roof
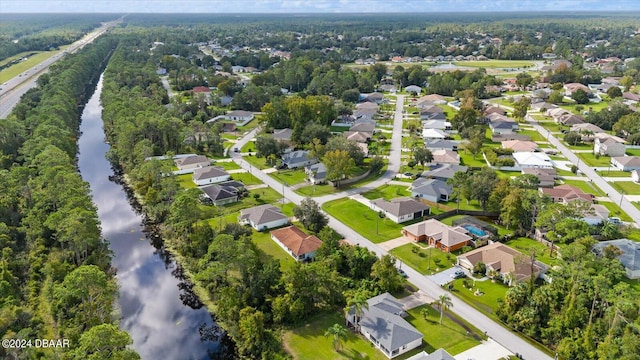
(223, 193)
(443, 172)
(382, 323)
(629, 255)
(431, 189)
(297, 159)
(440, 354)
(209, 175)
(317, 173)
(263, 217)
(401, 209)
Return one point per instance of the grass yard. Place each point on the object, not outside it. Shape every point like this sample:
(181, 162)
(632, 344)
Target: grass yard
(633, 152)
(616, 174)
(251, 125)
(325, 189)
(595, 107)
(487, 302)
(469, 160)
(271, 249)
(590, 159)
(504, 102)
(290, 177)
(614, 210)
(495, 64)
(267, 196)
(450, 335)
(387, 192)
(586, 186)
(257, 162)
(250, 146)
(424, 260)
(524, 245)
(580, 146)
(246, 178)
(186, 181)
(14, 70)
(533, 134)
(363, 220)
(629, 187)
(227, 165)
(308, 342)
(565, 173)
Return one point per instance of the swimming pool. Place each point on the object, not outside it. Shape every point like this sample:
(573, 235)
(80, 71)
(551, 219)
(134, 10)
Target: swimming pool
(475, 230)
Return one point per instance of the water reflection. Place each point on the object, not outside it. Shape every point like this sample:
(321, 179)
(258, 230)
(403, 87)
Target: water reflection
(165, 319)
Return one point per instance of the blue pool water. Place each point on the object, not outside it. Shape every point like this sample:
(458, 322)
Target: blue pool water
(474, 230)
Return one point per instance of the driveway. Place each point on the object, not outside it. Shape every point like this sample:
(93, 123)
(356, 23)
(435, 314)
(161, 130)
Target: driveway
(394, 243)
(416, 299)
(443, 277)
(488, 350)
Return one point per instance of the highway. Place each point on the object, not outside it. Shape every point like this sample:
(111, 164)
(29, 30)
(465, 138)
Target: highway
(12, 90)
(498, 333)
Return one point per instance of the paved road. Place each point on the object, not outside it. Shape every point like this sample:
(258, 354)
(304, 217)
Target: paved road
(428, 287)
(13, 89)
(588, 171)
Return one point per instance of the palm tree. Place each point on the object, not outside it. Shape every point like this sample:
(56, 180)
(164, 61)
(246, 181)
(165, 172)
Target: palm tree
(339, 334)
(443, 302)
(358, 302)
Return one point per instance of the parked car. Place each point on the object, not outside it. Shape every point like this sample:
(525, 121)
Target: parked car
(614, 220)
(458, 274)
(402, 273)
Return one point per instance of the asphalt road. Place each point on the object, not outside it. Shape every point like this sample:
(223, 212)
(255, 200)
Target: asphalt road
(589, 172)
(500, 334)
(13, 89)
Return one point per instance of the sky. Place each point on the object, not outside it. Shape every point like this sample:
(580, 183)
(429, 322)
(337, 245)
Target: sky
(308, 6)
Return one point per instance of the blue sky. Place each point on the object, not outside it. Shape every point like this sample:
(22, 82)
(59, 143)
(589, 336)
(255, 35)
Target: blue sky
(309, 6)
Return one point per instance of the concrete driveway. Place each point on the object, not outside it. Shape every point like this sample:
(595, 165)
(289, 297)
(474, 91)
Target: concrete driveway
(394, 243)
(488, 350)
(443, 277)
(416, 299)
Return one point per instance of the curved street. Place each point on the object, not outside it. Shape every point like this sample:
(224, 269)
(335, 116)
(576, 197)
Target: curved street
(498, 333)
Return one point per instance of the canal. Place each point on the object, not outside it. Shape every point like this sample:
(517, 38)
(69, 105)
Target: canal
(158, 308)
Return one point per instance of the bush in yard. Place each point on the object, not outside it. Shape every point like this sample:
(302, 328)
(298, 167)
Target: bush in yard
(574, 169)
(480, 268)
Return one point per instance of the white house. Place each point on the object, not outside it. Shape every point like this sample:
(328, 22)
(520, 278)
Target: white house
(433, 134)
(263, 217)
(532, 160)
(400, 209)
(209, 175)
(297, 159)
(635, 176)
(609, 147)
(382, 323)
(626, 163)
(189, 164)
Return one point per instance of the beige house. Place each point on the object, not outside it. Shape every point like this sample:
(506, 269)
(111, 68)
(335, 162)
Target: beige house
(608, 147)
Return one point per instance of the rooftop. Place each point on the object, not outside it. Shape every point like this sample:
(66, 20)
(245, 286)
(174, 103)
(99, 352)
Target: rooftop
(297, 240)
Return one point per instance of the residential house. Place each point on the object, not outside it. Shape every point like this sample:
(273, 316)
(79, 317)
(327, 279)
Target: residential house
(571, 88)
(445, 157)
(382, 323)
(413, 89)
(437, 124)
(626, 163)
(263, 217)
(504, 137)
(365, 126)
(209, 175)
(608, 147)
(565, 194)
(430, 100)
(542, 106)
(503, 126)
(388, 88)
(494, 110)
(440, 354)
(596, 215)
(357, 136)
(512, 265)
(547, 176)
(631, 97)
(520, 146)
(431, 189)
(228, 127)
(433, 134)
(584, 127)
(297, 159)
(190, 163)
(427, 114)
(570, 119)
(635, 176)
(225, 100)
(297, 243)
(437, 234)
(401, 209)
(317, 173)
(283, 135)
(442, 145)
(223, 193)
(557, 112)
(365, 113)
(532, 160)
(376, 98)
(443, 172)
(629, 254)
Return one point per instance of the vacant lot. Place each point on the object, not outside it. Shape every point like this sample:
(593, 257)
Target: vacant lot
(423, 260)
(495, 64)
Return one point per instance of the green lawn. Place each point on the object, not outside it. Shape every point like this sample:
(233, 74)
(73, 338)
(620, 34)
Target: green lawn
(267, 196)
(250, 146)
(596, 107)
(251, 125)
(290, 177)
(424, 260)
(271, 249)
(616, 173)
(586, 186)
(580, 146)
(363, 220)
(590, 159)
(524, 245)
(450, 335)
(246, 178)
(227, 165)
(503, 102)
(487, 302)
(468, 160)
(495, 64)
(565, 173)
(533, 134)
(257, 162)
(629, 187)
(633, 152)
(14, 70)
(614, 210)
(387, 192)
(308, 342)
(319, 190)
(186, 181)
